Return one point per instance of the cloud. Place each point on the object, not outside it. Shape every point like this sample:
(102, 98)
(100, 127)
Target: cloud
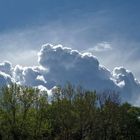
(128, 84)
(31, 76)
(81, 35)
(6, 67)
(5, 79)
(65, 64)
(58, 65)
(5, 73)
(99, 47)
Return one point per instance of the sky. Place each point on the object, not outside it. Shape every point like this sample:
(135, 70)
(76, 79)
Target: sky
(108, 29)
(79, 24)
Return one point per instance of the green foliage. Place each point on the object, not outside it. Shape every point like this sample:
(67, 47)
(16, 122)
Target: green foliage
(72, 114)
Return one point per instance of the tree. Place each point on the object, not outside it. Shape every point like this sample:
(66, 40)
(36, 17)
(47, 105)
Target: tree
(72, 113)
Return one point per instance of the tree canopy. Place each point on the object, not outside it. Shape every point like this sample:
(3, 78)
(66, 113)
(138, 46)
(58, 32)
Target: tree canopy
(72, 113)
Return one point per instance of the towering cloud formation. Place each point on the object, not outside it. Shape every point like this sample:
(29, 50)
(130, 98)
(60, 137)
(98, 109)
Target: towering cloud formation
(65, 64)
(58, 65)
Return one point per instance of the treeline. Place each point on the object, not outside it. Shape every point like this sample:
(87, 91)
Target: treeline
(69, 114)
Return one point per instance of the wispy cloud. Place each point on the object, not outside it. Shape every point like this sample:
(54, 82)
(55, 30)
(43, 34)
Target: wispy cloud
(100, 47)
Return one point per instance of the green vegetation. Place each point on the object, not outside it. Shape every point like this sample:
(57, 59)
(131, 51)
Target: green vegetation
(71, 114)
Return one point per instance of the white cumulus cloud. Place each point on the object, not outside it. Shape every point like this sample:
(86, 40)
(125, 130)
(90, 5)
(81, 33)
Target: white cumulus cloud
(58, 65)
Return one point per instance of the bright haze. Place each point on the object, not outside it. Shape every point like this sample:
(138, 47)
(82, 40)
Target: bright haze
(94, 43)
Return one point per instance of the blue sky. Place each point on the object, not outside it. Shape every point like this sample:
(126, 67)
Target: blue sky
(112, 26)
(118, 15)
